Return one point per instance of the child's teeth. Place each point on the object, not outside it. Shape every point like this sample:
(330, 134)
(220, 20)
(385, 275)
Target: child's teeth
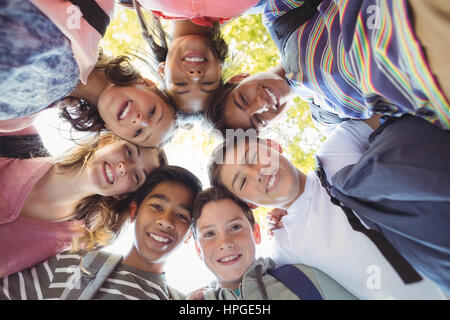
(196, 59)
(158, 238)
(272, 96)
(109, 173)
(226, 259)
(125, 111)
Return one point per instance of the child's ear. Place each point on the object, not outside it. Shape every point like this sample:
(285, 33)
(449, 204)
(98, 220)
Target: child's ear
(162, 69)
(252, 205)
(238, 77)
(199, 251)
(274, 145)
(133, 211)
(257, 233)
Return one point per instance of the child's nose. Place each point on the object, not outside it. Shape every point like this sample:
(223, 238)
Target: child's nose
(123, 168)
(195, 74)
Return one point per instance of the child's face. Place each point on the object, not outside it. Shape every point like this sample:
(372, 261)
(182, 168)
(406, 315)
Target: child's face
(191, 72)
(259, 174)
(163, 221)
(136, 114)
(256, 101)
(226, 241)
(120, 167)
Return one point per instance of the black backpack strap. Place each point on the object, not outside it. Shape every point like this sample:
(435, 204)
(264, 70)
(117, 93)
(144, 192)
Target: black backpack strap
(296, 281)
(284, 25)
(94, 269)
(93, 14)
(403, 268)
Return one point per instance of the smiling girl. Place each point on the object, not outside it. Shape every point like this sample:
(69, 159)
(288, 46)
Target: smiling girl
(190, 66)
(47, 204)
(51, 52)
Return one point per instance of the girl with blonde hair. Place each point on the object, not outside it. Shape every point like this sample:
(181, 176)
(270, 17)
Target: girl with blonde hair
(48, 205)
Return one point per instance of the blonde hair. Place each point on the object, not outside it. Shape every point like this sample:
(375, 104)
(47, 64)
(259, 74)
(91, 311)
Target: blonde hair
(104, 216)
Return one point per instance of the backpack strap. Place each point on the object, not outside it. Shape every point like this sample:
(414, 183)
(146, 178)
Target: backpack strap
(93, 14)
(287, 23)
(296, 281)
(95, 268)
(403, 268)
(324, 116)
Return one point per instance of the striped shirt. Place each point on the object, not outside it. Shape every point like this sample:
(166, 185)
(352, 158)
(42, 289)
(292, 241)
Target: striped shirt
(47, 281)
(358, 57)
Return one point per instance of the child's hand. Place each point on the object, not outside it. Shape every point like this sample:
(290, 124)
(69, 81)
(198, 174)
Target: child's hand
(274, 219)
(196, 295)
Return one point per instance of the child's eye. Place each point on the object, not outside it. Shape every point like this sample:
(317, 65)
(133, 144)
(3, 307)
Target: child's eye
(128, 151)
(152, 112)
(183, 217)
(208, 234)
(243, 183)
(243, 99)
(136, 177)
(138, 132)
(181, 84)
(156, 206)
(235, 227)
(208, 83)
(254, 158)
(259, 121)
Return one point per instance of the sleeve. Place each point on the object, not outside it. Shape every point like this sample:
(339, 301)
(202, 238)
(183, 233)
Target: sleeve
(344, 146)
(408, 160)
(278, 8)
(17, 124)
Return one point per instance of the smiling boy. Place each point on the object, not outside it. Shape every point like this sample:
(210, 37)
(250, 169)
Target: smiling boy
(226, 236)
(161, 212)
(316, 232)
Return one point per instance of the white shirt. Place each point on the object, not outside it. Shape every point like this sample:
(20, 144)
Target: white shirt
(317, 233)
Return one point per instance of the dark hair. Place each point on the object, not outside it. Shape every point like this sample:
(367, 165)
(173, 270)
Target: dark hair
(157, 40)
(216, 107)
(84, 116)
(22, 147)
(217, 194)
(119, 71)
(168, 174)
(160, 50)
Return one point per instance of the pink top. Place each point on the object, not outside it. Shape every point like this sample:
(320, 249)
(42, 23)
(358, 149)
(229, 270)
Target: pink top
(201, 12)
(83, 37)
(15, 126)
(25, 242)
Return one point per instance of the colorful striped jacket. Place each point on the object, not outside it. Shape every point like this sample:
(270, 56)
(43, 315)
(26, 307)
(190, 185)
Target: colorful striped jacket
(358, 57)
